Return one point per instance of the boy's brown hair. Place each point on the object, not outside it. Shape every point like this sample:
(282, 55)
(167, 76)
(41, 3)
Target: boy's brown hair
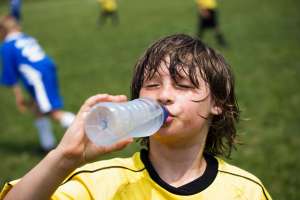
(192, 56)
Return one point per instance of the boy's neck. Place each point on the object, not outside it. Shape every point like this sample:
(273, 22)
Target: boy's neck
(177, 166)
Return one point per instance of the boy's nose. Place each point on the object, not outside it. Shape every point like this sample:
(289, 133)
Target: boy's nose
(166, 96)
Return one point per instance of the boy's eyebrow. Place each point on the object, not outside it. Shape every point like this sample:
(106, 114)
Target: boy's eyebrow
(152, 78)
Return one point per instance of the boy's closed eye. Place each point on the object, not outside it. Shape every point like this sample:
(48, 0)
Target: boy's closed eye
(178, 86)
(151, 85)
(185, 86)
(184, 83)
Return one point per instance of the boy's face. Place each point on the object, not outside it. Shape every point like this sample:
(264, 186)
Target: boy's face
(190, 107)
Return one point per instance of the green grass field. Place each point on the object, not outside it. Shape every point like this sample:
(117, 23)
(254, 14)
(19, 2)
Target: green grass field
(264, 52)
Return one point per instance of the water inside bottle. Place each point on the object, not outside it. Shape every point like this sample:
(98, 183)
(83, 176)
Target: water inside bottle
(147, 117)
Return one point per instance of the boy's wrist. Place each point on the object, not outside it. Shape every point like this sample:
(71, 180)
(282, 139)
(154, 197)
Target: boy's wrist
(65, 164)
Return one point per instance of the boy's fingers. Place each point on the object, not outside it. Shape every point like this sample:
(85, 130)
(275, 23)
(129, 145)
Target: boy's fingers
(121, 98)
(90, 102)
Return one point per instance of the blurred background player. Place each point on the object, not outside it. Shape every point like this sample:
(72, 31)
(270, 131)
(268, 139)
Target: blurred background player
(23, 59)
(208, 19)
(108, 9)
(15, 9)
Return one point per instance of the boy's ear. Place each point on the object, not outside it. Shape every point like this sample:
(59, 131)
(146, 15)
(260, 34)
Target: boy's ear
(216, 110)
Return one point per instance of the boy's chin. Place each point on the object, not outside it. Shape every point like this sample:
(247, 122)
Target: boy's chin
(166, 131)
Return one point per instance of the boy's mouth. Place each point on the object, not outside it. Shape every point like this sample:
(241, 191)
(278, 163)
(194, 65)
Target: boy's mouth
(170, 114)
(169, 119)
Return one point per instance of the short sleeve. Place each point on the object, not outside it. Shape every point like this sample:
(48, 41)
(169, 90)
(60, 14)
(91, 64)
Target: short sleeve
(7, 187)
(70, 191)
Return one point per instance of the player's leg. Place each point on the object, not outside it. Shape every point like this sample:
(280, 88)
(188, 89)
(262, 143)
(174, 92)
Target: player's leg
(65, 118)
(220, 38)
(115, 18)
(43, 86)
(200, 26)
(103, 17)
(100, 18)
(46, 135)
(35, 87)
(44, 128)
(218, 34)
(50, 82)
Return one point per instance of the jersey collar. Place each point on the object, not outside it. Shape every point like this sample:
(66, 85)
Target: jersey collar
(12, 36)
(195, 186)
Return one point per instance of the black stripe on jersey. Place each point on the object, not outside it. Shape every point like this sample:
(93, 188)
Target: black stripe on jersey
(193, 187)
(247, 179)
(99, 169)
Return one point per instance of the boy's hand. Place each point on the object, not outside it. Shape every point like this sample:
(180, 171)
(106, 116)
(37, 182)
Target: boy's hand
(19, 98)
(75, 147)
(21, 104)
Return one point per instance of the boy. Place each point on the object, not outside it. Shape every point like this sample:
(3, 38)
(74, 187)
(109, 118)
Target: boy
(208, 19)
(195, 84)
(23, 59)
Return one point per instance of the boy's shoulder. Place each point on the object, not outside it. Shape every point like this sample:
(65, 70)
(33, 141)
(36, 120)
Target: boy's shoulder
(115, 171)
(236, 172)
(240, 178)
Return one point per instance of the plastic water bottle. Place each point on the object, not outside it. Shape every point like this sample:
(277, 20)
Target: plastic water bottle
(109, 122)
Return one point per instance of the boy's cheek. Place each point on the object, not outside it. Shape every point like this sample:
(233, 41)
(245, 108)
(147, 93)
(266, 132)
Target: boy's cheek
(148, 94)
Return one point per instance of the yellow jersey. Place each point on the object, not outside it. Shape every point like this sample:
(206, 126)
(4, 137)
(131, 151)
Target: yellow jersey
(207, 4)
(108, 5)
(134, 178)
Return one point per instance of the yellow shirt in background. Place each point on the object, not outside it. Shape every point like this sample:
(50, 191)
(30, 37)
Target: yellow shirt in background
(108, 5)
(207, 4)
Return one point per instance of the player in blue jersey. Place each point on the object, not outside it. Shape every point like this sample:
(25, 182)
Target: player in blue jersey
(23, 60)
(15, 9)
